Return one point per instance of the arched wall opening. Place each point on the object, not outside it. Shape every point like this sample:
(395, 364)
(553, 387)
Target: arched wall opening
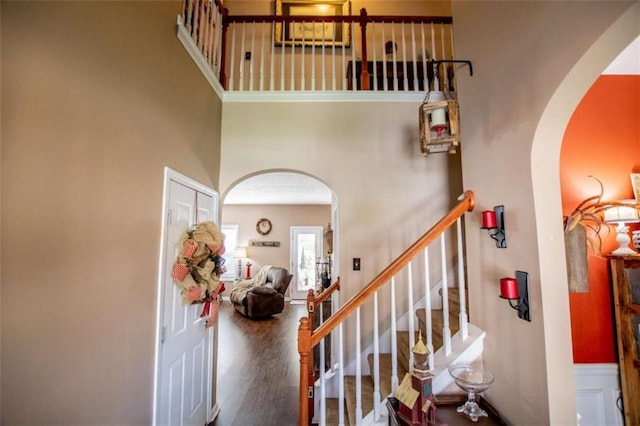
(286, 198)
(545, 166)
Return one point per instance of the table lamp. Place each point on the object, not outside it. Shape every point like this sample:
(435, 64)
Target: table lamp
(240, 253)
(622, 215)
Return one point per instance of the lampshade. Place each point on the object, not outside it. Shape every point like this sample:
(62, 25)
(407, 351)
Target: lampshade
(621, 214)
(240, 253)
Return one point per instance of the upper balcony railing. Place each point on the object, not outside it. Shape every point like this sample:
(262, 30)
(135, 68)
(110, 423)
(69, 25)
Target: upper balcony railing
(275, 53)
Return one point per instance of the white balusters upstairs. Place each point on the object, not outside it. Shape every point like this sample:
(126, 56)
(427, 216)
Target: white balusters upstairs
(275, 53)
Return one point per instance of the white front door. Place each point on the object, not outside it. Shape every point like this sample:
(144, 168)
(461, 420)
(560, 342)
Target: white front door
(306, 248)
(185, 353)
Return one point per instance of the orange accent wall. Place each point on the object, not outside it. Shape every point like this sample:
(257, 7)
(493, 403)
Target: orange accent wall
(602, 140)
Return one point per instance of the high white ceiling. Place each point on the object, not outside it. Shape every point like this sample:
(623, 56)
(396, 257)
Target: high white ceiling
(296, 188)
(279, 188)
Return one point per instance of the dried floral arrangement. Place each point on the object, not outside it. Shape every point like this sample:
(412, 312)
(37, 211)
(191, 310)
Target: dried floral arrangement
(590, 215)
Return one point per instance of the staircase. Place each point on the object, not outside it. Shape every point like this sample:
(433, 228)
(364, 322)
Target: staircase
(385, 361)
(373, 341)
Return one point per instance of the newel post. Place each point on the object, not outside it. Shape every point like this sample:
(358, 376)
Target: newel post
(364, 75)
(223, 48)
(304, 349)
(311, 307)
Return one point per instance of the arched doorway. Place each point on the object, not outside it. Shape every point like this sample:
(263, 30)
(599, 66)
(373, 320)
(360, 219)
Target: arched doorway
(284, 199)
(546, 189)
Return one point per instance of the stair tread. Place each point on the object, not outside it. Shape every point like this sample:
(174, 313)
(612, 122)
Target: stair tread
(385, 372)
(350, 396)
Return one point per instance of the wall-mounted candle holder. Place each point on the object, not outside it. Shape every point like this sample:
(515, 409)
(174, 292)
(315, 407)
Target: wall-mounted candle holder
(516, 290)
(494, 222)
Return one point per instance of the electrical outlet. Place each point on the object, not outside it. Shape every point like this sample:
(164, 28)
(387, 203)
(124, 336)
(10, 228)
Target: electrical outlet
(356, 263)
(247, 56)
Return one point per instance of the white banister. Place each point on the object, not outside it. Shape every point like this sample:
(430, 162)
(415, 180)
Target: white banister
(405, 80)
(358, 413)
(385, 83)
(233, 58)
(393, 56)
(321, 367)
(376, 360)
(303, 57)
(394, 341)
(241, 68)
(413, 55)
(340, 376)
(263, 37)
(446, 330)
(427, 310)
(252, 61)
(463, 320)
(412, 326)
(374, 57)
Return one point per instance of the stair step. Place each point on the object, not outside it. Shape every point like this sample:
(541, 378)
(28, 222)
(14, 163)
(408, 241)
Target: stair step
(385, 373)
(333, 414)
(350, 396)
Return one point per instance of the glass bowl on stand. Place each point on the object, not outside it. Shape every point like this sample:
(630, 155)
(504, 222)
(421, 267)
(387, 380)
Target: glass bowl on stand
(474, 381)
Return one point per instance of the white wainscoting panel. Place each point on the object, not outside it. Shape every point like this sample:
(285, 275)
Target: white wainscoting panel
(597, 394)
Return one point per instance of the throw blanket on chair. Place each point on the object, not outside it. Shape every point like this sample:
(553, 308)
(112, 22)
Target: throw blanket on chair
(242, 286)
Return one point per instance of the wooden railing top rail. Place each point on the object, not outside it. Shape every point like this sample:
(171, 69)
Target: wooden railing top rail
(345, 18)
(465, 205)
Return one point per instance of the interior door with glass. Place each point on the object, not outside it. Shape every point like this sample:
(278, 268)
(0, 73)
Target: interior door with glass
(306, 248)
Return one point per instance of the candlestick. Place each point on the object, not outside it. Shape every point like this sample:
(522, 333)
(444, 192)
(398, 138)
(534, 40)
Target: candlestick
(509, 288)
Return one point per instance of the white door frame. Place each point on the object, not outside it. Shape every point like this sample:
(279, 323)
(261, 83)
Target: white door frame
(212, 405)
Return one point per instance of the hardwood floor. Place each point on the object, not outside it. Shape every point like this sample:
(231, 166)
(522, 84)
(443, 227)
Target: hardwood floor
(258, 375)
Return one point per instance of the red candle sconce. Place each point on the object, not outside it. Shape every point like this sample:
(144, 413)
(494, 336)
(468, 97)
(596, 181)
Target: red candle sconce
(516, 290)
(493, 220)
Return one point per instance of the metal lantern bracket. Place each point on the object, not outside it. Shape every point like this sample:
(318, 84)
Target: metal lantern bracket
(448, 61)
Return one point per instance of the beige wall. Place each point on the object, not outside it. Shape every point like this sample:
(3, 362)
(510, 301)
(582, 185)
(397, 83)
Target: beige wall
(514, 111)
(282, 218)
(386, 192)
(97, 98)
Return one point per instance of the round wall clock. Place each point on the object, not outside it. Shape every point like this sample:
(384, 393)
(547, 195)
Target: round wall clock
(263, 226)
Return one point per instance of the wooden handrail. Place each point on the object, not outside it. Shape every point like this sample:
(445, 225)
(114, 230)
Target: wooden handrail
(465, 205)
(345, 18)
(328, 291)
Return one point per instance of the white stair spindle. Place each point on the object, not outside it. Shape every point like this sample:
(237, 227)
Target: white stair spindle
(376, 360)
(428, 332)
(272, 76)
(303, 81)
(313, 55)
(358, 418)
(414, 58)
(464, 321)
(385, 84)
(354, 71)
(292, 70)
(446, 330)
(333, 58)
(394, 58)
(264, 24)
(340, 376)
(323, 75)
(445, 80)
(323, 394)
(233, 59)
(251, 61)
(405, 80)
(375, 56)
(394, 341)
(412, 315)
(241, 76)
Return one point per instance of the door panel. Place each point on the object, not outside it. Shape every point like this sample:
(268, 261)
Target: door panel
(185, 356)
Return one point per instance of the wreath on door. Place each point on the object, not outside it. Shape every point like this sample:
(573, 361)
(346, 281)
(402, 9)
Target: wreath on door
(198, 268)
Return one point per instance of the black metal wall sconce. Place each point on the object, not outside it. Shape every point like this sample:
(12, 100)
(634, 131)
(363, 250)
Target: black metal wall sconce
(493, 220)
(516, 290)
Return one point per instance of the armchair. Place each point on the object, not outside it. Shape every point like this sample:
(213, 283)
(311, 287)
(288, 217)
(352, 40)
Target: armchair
(264, 295)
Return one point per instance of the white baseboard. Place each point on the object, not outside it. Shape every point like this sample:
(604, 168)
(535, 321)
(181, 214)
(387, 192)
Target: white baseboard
(597, 394)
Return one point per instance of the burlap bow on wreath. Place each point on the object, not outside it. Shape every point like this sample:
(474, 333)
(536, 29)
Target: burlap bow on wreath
(198, 267)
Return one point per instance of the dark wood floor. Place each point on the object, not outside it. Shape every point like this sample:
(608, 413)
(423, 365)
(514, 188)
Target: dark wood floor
(258, 362)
